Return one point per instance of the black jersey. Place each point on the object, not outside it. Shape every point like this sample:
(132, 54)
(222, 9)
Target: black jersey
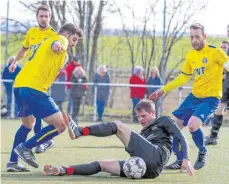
(161, 131)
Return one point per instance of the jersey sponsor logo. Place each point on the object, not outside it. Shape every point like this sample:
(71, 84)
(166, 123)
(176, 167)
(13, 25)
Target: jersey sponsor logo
(199, 71)
(205, 60)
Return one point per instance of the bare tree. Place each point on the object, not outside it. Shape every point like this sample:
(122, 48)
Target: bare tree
(176, 28)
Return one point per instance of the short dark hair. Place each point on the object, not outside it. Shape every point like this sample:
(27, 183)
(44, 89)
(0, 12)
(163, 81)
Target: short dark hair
(226, 42)
(198, 26)
(71, 29)
(44, 8)
(146, 105)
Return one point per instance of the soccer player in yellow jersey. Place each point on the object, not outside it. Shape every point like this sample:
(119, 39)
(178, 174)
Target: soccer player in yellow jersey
(30, 90)
(205, 63)
(34, 36)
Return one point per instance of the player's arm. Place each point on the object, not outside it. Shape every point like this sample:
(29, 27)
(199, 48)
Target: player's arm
(21, 52)
(180, 80)
(57, 46)
(172, 128)
(19, 56)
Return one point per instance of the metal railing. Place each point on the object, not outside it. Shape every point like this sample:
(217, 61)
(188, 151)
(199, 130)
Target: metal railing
(95, 86)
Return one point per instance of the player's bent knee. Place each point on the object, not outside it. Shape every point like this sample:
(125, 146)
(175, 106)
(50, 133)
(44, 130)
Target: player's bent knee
(121, 126)
(61, 128)
(28, 122)
(194, 123)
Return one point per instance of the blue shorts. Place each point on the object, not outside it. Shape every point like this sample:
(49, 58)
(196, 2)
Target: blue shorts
(33, 102)
(199, 107)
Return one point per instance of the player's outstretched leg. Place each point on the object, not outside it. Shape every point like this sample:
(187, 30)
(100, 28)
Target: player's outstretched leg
(73, 127)
(54, 170)
(82, 169)
(98, 130)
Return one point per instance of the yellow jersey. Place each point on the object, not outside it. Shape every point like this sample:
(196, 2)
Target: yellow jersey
(43, 65)
(207, 67)
(34, 36)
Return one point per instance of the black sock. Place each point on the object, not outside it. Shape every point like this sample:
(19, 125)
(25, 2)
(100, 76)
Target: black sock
(100, 130)
(218, 120)
(84, 169)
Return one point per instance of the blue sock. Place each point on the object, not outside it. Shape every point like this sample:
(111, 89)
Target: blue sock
(198, 138)
(20, 137)
(177, 149)
(45, 134)
(38, 125)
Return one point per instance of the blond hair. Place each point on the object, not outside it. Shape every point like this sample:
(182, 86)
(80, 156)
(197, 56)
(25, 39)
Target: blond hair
(198, 26)
(157, 71)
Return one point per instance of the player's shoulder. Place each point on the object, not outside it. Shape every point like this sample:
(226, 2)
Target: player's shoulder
(52, 29)
(164, 119)
(212, 46)
(32, 30)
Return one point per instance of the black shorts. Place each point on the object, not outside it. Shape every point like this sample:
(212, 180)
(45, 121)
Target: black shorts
(225, 98)
(154, 156)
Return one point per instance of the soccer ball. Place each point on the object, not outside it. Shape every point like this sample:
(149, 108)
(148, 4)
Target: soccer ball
(134, 167)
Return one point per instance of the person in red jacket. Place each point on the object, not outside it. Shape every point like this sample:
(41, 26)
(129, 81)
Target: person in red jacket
(137, 93)
(75, 62)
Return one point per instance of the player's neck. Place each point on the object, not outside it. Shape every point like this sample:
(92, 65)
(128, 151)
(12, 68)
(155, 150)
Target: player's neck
(43, 28)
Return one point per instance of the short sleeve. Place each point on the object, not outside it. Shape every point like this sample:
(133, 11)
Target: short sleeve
(26, 40)
(221, 57)
(187, 69)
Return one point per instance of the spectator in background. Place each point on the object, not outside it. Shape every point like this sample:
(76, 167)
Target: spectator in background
(154, 79)
(75, 62)
(58, 92)
(6, 74)
(77, 91)
(137, 93)
(103, 92)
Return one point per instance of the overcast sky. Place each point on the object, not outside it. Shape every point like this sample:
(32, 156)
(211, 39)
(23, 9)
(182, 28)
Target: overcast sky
(215, 17)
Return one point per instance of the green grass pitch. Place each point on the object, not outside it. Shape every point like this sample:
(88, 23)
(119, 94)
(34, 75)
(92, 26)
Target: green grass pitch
(67, 152)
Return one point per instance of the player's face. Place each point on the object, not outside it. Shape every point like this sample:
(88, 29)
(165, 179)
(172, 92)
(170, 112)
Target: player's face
(197, 38)
(43, 19)
(145, 118)
(225, 47)
(72, 40)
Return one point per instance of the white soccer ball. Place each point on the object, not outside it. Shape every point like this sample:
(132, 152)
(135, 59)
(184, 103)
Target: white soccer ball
(134, 167)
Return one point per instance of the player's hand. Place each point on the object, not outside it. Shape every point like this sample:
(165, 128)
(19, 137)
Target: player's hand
(187, 166)
(157, 94)
(57, 48)
(12, 67)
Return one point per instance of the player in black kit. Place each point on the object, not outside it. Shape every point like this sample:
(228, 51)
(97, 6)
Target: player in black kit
(153, 144)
